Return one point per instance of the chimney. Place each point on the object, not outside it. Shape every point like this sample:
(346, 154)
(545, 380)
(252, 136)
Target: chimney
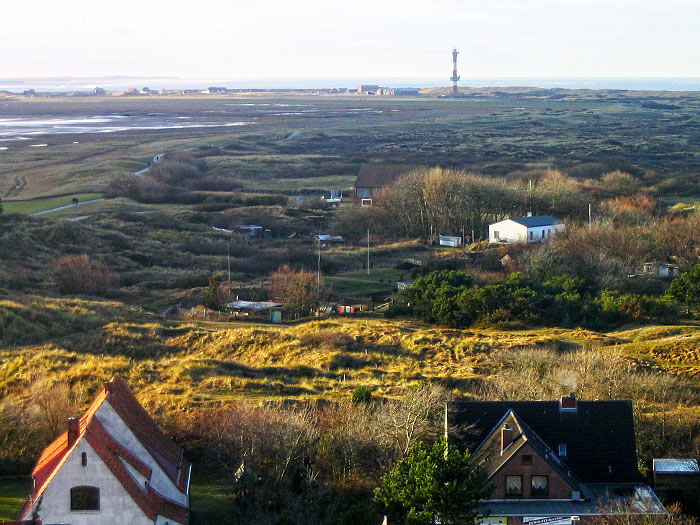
(506, 436)
(108, 387)
(73, 430)
(529, 214)
(568, 403)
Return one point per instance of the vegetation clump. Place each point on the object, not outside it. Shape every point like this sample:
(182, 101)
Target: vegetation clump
(81, 274)
(450, 298)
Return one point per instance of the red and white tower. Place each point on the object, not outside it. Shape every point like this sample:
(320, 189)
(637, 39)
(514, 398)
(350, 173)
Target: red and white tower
(455, 76)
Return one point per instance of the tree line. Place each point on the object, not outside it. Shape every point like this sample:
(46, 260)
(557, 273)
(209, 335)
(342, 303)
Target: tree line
(452, 298)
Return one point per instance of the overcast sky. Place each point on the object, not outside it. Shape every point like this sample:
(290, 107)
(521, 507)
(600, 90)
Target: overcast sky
(349, 38)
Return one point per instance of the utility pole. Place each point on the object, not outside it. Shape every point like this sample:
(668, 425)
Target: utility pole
(318, 272)
(228, 262)
(589, 216)
(367, 251)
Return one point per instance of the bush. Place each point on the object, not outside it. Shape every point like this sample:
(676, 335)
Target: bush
(81, 274)
(361, 395)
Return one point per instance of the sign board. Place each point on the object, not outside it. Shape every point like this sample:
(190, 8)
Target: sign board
(547, 520)
(492, 520)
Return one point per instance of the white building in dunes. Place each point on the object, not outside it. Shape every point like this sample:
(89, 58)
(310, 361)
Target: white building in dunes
(525, 229)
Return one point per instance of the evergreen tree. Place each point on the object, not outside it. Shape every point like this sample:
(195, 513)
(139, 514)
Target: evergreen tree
(686, 288)
(431, 483)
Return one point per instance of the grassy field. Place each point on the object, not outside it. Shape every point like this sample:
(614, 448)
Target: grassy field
(492, 131)
(37, 205)
(13, 492)
(211, 500)
(358, 285)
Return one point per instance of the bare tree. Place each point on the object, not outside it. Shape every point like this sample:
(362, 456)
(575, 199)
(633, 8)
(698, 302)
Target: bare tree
(54, 402)
(419, 415)
(81, 274)
(299, 291)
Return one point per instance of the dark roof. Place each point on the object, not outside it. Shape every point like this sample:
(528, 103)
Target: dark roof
(599, 435)
(536, 220)
(380, 175)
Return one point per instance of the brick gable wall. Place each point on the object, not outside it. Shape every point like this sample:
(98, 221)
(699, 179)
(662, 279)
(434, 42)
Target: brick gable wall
(557, 487)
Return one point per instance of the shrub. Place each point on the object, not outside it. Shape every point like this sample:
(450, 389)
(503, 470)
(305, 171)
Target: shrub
(361, 395)
(81, 274)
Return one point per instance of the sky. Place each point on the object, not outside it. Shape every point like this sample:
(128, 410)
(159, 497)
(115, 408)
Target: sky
(349, 38)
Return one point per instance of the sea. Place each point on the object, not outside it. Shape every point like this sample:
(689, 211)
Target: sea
(72, 84)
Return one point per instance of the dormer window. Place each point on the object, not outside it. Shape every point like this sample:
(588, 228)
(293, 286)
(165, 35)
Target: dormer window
(562, 450)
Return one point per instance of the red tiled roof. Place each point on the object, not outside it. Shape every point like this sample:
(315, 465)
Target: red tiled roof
(163, 449)
(166, 453)
(150, 501)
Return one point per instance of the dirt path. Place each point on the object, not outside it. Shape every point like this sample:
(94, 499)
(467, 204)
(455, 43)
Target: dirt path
(292, 135)
(156, 160)
(20, 183)
(66, 207)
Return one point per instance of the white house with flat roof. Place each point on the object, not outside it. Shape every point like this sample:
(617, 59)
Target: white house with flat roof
(525, 229)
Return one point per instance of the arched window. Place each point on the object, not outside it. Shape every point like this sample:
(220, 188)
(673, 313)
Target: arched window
(84, 498)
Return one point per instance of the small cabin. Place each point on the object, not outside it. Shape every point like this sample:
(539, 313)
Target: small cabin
(373, 178)
(450, 240)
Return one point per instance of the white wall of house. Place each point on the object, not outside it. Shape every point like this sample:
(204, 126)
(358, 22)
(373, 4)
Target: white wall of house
(116, 505)
(507, 231)
(122, 433)
(510, 231)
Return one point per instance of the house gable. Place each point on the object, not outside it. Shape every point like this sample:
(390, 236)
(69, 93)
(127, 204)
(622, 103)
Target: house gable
(598, 435)
(116, 504)
(514, 449)
(117, 433)
(534, 465)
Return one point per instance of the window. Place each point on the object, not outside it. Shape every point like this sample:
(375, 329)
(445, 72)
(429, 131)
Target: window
(544, 234)
(538, 486)
(84, 498)
(83, 459)
(562, 450)
(496, 235)
(363, 193)
(531, 237)
(514, 486)
(527, 459)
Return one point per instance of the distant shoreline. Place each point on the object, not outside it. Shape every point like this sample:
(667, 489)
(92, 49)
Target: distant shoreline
(59, 85)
